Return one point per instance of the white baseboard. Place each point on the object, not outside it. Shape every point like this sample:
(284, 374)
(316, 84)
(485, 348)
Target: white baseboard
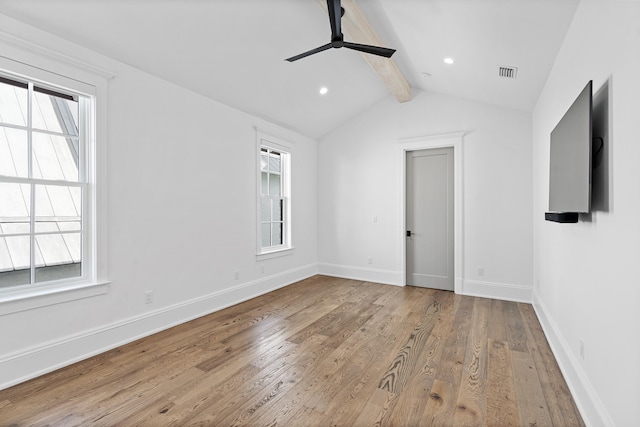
(33, 362)
(501, 291)
(386, 277)
(591, 408)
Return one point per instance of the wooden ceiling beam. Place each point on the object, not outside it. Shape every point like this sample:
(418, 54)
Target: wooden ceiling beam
(357, 29)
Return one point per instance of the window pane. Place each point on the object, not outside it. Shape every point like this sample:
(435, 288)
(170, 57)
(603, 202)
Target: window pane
(265, 183)
(14, 261)
(14, 149)
(277, 210)
(13, 104)
(274, 185)
(266, 235)
(56, 211)
(55, 157)
(54, 250)
(58, 203)
(274, 162)
(14, 206)
(58, 272)
(18, 247)
(277, 233)
(263, 161)
(265, 209)
(58, 250)
(10, 226)
(55, 114)
(6, 263)
(74, 244)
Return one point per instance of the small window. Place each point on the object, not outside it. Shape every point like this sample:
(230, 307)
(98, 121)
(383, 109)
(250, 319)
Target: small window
(274, 231)
(44, 184)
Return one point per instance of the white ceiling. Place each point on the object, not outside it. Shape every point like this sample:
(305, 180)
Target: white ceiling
(233, 51)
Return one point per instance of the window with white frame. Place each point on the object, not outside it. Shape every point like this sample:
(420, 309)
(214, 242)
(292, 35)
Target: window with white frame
(45, 183)
(274, 229)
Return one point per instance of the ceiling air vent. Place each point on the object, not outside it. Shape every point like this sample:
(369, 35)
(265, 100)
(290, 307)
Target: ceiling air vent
(507, 72)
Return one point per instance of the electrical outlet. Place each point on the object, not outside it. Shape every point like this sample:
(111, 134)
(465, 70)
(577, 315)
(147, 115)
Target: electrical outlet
(148, 297)
(236, 275)
(370, 260)
(375, 219)
(262, 269)
(480, 271)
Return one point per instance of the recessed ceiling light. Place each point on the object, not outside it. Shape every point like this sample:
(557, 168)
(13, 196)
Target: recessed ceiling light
(323, 90)
(448, 60)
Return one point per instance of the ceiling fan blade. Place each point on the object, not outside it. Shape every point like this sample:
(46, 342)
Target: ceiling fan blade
(310, 52)
(335, 15)
(374, 50)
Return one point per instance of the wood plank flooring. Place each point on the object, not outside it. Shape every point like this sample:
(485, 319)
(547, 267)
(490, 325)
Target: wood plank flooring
(323, 351)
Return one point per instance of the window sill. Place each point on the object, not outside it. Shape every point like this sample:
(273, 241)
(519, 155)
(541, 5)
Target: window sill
(28, 299)
(274, 254)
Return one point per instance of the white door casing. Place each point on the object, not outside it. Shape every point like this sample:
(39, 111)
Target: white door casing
(454, 140)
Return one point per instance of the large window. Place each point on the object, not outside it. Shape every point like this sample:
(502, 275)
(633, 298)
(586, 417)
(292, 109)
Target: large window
(275, 210)
(45, 189)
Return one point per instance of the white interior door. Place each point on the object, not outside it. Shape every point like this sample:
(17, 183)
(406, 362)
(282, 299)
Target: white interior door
(430, 218)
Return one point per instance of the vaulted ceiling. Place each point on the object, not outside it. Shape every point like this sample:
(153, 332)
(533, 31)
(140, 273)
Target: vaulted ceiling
(233, 51)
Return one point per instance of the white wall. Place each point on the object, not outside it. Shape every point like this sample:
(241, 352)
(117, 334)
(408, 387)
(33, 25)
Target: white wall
(181, 197)
(171, 204)
(360, 177)
(587, 286)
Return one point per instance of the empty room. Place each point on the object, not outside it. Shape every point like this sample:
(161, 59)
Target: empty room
(319, 212)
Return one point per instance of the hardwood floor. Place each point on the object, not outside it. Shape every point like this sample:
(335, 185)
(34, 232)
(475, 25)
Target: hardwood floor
(323, 351)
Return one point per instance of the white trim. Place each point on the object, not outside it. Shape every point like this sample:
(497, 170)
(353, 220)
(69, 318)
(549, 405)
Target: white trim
(99, 177)
(29, 363)
(40, 75)
(387, 277)
(27, 298)
(274, 254)
(33, 48)
(501, 291)
(437, 139)
(454, 140)
(591, 409)
(278, 136)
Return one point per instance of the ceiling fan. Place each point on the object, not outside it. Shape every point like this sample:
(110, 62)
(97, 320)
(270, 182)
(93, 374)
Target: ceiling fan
(337, 38)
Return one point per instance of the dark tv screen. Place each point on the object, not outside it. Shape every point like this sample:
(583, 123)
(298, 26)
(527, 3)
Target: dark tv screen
(570, 160)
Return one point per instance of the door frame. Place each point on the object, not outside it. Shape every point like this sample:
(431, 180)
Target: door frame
(454, 140)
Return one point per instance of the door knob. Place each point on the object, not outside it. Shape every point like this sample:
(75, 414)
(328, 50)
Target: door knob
(408, 233)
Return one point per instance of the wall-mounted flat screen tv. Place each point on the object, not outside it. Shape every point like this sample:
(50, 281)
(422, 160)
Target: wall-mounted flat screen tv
(570, 161)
